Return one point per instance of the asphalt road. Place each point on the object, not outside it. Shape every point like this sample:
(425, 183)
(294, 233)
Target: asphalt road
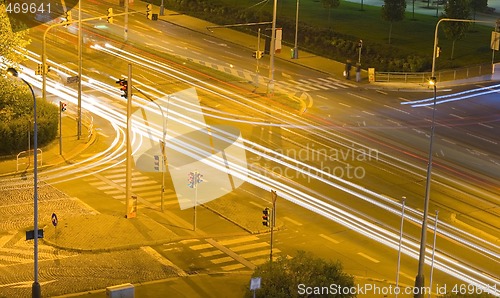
(359, 118)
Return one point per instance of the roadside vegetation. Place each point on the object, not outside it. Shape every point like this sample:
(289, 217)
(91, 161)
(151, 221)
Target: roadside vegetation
(304, 275)
(334, 31)
(16, 100)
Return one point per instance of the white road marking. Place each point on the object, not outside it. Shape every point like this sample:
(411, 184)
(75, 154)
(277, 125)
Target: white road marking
(329, 238)
(488, 126)
(368, 257)
(292, 221)
(481, 138)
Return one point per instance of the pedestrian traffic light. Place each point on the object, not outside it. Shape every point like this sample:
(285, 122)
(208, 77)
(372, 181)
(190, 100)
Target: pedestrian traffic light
(123, 87)
(110, 15)
(63, 106)
(265, 217)
(39, 69)
(149, 12)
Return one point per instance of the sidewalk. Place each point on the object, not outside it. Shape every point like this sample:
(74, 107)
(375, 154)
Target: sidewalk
(49, 155)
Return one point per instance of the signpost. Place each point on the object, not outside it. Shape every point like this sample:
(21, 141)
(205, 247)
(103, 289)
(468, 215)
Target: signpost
(254, 284)
(54, 219)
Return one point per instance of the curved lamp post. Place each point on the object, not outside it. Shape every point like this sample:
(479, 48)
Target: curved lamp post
(35, 288)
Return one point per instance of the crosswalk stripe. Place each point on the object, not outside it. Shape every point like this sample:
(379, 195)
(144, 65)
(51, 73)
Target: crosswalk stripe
(238, 240)
(150, 193)
(222, 260)
(113, 192)
(322, 87)
(259, 253)
(249, 246)
(233, 267)
(144, 188)
(200, 246)
(331, 86)
(105, 187)
(211, 253)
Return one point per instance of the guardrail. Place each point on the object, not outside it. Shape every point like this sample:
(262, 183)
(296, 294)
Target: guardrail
(27, 154)
(441, 76)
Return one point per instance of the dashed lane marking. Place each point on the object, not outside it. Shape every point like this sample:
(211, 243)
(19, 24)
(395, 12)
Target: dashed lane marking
(292, 221)
(329, 238)
(368, 257)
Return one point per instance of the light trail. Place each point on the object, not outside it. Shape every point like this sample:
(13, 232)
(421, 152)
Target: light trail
(454, 96)
(357, 223)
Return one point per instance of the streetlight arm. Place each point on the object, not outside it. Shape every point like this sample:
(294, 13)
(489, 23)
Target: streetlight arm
(436, 36)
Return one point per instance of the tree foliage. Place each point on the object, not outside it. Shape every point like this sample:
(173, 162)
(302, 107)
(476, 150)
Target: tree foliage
(282, 278)
(393, 11)
(16, 100)
(11, 41)
(455, 30)
(16, 117)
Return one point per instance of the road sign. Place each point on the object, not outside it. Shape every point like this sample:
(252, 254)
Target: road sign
(255, 283)
(54, 219)
(70, 80)
(30, 235)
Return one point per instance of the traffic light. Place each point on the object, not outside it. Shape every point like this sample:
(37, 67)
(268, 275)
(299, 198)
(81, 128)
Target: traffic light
(67, 17)
(438, 51)
(257, 54)
(123, 87)
(62, 106)
(191, 180)
(198, 178)
(110, 15)
(149, 13)
(265, 217)
(39, 69)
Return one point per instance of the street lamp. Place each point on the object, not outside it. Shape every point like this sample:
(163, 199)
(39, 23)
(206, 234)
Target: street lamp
(420, 280)
(164, 134)
(35, 288)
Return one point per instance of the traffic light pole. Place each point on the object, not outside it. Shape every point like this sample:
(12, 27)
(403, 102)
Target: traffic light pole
(60, 127)
(128, 176)
(274, 196)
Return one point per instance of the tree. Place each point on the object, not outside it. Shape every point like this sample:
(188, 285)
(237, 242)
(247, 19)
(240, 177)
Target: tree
(330, 4)
(393, 11)
(455, 30)
(11, 41)
(290, 277)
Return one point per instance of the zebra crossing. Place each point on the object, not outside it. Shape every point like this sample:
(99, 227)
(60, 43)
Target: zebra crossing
(233, 254)
(14, 249)
(304, 85)
(112, 182)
